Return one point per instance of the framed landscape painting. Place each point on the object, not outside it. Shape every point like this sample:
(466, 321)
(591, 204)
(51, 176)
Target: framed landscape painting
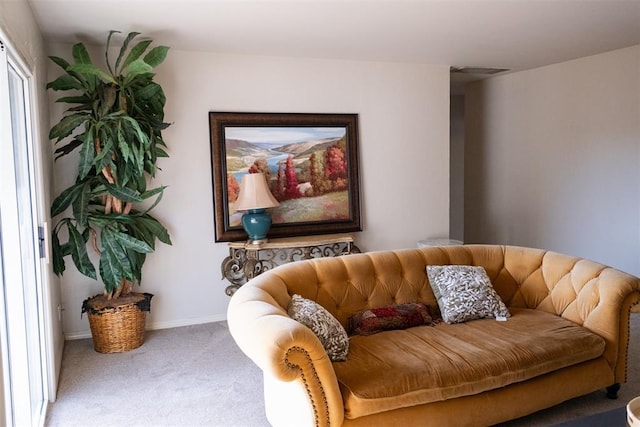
(310, 162)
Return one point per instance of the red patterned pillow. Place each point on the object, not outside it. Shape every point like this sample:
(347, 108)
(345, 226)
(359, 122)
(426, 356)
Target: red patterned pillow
(400, 316)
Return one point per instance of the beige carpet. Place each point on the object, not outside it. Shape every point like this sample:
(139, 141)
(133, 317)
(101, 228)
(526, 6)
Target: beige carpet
(189, 376)
(196, 376)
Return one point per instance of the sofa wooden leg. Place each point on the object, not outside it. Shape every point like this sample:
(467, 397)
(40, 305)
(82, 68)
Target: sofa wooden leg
(612, 391)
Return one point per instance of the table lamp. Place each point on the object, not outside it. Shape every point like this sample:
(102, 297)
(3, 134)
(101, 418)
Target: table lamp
(254, 198)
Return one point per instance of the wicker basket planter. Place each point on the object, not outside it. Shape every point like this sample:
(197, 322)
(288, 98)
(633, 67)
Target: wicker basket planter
(117, 326)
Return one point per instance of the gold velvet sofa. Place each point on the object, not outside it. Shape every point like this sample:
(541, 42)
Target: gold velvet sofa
(567, 336)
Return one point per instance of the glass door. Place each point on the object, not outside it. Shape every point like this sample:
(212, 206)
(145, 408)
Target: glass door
(21, 319)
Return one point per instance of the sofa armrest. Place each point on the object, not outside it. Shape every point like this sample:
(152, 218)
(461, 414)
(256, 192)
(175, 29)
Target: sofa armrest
(283, 348)
(588, 293)
(603, 305)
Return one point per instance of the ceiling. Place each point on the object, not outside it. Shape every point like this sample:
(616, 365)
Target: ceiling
(512, 34)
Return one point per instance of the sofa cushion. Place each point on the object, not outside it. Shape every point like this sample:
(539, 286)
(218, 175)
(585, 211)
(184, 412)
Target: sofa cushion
(329, 331)
(464, 293)
(391, 317)
(396, 369)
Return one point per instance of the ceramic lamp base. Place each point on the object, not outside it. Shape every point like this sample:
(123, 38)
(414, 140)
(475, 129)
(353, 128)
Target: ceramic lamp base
(256, 223)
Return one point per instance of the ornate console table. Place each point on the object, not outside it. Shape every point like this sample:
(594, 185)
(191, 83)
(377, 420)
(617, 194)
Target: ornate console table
(247, 260)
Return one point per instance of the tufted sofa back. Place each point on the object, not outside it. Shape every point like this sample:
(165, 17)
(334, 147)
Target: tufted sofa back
(523, 277)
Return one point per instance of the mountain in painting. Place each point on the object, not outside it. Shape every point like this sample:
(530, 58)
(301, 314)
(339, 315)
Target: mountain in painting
(306, 148)
(240, 148)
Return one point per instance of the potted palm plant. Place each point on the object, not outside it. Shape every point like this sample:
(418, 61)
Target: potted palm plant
(114, 125)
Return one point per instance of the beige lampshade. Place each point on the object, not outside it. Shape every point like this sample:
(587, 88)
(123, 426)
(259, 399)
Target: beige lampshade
(254, 193)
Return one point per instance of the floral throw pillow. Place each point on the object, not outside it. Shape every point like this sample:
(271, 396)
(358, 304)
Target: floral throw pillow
(465, 293)
(401, 316)
(329, 331)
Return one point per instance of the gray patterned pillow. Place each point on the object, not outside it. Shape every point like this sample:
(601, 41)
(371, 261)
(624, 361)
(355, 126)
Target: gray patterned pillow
(465, 293)
(329, 331)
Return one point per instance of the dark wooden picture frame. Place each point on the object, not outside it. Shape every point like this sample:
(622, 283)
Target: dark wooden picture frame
(321, 196)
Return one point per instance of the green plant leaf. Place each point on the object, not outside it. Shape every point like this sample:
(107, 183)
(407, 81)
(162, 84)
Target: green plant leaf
(136, 68)
(117, 263)
(153, 192)
(143, 233)
(123, 193)
(135, 53)
(148, 91)
(156, 56)
(79, 252)
(159, 191)
(103, 219)
(57, 255)
(109, 95)
(99, 221)
(103, 160)
(62, 63)
(105, 157)
(109, 277)
(67, 125)
(65, 82)
(87, 154)
(68, 148)
(74, 99)
(140, 134)
(90, 71)
(80, 54)
(137, 260)
(64, 200)
(81, 204)
(142, 184)
(138, 157)
(132, 243)
(106, 50)
(123, 145)
(159, 139)
(161, 153)
(83, 108)
(157, 229)
(110, 271)
(125, 45)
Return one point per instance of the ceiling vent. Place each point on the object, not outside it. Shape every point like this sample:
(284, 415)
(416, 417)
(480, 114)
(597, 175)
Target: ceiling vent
(478, 70)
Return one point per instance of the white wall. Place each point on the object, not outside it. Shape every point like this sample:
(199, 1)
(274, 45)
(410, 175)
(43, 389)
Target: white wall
(404, 151)
(553, 159)
(18, 22)
(19, 25)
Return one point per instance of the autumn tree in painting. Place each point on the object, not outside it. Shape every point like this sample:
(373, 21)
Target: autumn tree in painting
(233, 188)
(261, 166)
(291, 180)
(328, 170)
(336, 166)
(316, 173)
(278, 191)
(303, 173)
(319, 182)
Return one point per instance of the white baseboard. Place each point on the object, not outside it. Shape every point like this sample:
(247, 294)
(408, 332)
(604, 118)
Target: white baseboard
(157, 325)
